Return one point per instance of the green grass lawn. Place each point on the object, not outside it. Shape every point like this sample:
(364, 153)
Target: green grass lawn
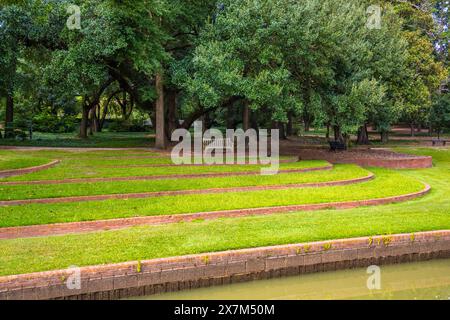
(141, 243)
(11, 161)
(110, 164)
(431, 212)
(85, 160)
(65, 171)
(387, 183)
(19, 192)
(99, 140)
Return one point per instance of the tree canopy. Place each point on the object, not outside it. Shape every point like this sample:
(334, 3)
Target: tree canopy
(251, 62)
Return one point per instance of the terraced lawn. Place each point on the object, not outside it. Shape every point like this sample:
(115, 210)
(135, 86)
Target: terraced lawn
(431, 212)
(386, 184)
(142, 243)
(61, 172)
(120, 163)
(20, 192)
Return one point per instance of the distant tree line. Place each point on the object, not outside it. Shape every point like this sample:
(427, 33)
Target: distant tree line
(248, 63)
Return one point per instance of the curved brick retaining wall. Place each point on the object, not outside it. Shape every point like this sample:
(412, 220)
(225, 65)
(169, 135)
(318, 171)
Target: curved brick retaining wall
(184, 192)
(115, 224)
(133, 279)
(366, 158)
(18, 172)
(161, 177)
(406, 163)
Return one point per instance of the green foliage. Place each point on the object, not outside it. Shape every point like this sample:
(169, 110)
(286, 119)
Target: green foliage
(14, 25)
(329, 65)
(44, 122)
(440, 114)
(442, 18)
(424, 72)
(312, 59)
(135, 125)
(78, 63)
(352, 109)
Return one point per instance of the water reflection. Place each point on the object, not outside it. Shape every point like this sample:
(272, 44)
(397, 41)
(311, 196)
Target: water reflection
(424, 280)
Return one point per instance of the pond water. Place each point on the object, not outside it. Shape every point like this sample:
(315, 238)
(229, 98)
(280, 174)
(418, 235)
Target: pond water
(423, 280)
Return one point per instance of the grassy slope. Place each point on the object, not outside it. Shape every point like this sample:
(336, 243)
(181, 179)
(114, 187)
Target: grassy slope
(340, 172)
(140, 243)
(101, 165)
(10, 161)
(429, 213)
(387, 183)
(64, 172)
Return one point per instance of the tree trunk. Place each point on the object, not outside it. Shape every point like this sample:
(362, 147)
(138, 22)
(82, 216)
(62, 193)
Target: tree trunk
(93, 128)
(84, 122)
(153, 118)
(124, 106)
(246, 117)
(346, 140)
(290, 126)
(281, 126)
(88, 106)
(9, 117)
(160, 142)
(102, 117)
(254, 121)
(412, 130)
(384, 137)
(328, 132)
(338, 134)
(363, 135)
(307, 125)
(204, 123)
(230, 116)
(172, 120)
(207, 122)
(97, 111)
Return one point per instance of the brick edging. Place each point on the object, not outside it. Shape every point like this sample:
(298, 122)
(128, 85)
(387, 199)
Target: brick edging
(405, 163)
(155, 194)
(18, 172)
(397, 160)
(177, 273)
(161, 177)
(116, 224)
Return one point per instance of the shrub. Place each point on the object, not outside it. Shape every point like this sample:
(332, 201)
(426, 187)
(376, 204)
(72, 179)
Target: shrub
(52, 124)
(126, 126)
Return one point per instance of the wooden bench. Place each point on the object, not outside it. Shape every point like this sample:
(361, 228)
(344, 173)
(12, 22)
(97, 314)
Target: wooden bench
(337, 145)
(439, 141)
(224, 144)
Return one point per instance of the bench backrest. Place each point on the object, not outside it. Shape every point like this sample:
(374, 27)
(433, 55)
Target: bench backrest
(337, 144)
(224, 143)
(440, 140)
